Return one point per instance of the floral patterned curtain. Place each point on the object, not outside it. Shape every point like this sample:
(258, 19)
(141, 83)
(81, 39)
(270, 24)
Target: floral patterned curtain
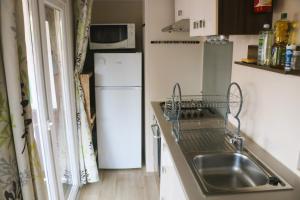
(88, 165)
(21, 173)
(9, 179)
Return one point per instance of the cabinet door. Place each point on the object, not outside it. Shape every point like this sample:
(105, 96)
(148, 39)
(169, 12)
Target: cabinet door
(182, 9)
(119, 135)
(204, 17)
(177, 191)
(170, 184)
(165, 179)
(231, 17)
(237, 17)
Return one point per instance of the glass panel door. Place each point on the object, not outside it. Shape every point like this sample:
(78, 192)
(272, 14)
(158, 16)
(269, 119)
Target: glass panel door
(48, 33)
(56, 79)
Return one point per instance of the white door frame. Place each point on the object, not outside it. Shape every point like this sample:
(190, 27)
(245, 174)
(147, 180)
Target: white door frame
(69, 92)
(36, 9)
(33, 42)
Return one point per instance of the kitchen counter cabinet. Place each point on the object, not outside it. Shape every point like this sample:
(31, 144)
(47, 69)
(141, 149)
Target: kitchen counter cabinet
(170, 186)
(190, 186)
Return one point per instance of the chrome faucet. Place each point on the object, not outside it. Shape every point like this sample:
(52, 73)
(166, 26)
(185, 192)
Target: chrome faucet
(236, 139)
(177, 112)
(238, 142)
(174, 107)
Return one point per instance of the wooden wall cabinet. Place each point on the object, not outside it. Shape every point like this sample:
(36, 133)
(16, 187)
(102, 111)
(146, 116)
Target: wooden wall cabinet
(237, 17)
(221, 17)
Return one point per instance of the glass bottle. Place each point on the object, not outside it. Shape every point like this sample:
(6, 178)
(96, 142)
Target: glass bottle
(281, 31)
(291, 46)
(266, 40)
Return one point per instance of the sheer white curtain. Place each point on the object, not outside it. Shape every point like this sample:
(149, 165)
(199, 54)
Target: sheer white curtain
(88, 165)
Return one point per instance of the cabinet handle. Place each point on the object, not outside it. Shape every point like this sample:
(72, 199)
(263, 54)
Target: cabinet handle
(203, 23)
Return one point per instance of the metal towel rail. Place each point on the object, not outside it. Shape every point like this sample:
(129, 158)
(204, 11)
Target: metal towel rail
(175, 42)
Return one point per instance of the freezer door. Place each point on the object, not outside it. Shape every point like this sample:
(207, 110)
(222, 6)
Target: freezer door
(118, 69)
(119, 127)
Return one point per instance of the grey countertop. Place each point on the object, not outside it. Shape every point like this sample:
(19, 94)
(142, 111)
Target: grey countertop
(191, 185)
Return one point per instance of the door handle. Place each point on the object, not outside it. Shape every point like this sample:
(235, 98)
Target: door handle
(155, 131)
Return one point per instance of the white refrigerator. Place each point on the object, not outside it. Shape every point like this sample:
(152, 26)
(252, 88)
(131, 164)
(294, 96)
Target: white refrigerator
(118, 90)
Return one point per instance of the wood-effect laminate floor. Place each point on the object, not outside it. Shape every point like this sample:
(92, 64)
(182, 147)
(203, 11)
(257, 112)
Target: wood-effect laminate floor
(122, 185)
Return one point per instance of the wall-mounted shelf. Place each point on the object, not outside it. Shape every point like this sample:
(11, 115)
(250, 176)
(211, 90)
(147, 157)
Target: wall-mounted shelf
(271, 69)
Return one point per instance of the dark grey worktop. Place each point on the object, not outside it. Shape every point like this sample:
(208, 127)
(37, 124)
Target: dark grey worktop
(190, 183)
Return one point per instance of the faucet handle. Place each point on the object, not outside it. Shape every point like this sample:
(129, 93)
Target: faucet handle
(238, 142)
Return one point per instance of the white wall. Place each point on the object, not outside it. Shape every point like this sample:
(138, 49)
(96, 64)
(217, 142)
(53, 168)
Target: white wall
(271, 114)
(166, 64)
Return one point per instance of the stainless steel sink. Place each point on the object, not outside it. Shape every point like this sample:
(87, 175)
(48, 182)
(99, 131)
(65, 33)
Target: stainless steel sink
(220, 169)
(230, 171)
(234, 173)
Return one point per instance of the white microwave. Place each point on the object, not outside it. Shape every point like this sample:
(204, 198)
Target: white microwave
(112, 36)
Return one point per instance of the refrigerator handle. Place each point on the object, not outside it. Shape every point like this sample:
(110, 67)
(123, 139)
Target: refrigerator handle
(103, 60)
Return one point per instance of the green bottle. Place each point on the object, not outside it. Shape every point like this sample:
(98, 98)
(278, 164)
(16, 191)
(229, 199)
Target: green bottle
(278, 55)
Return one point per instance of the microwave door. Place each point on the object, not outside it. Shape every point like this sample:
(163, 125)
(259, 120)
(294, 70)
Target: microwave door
(109, 37)
(106, 34)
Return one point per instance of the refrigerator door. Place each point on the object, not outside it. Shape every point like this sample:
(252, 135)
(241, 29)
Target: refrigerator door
(119, 127)
(118, 69)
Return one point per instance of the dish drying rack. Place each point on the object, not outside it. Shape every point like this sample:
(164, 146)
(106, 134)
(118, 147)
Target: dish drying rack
(178, 104)
(194, 103)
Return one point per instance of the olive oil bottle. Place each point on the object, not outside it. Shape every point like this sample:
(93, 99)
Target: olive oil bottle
(281, 32)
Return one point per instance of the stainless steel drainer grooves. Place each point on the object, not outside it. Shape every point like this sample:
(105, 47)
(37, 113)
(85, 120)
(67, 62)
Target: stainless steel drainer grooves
(204, 140)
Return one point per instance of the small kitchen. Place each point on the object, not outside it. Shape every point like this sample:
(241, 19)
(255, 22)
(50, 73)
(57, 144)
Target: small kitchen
(149, 99)
(217, 114)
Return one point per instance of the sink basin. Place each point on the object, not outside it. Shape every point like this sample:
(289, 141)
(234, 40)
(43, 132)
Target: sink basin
(234, 173)
(229, 171)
